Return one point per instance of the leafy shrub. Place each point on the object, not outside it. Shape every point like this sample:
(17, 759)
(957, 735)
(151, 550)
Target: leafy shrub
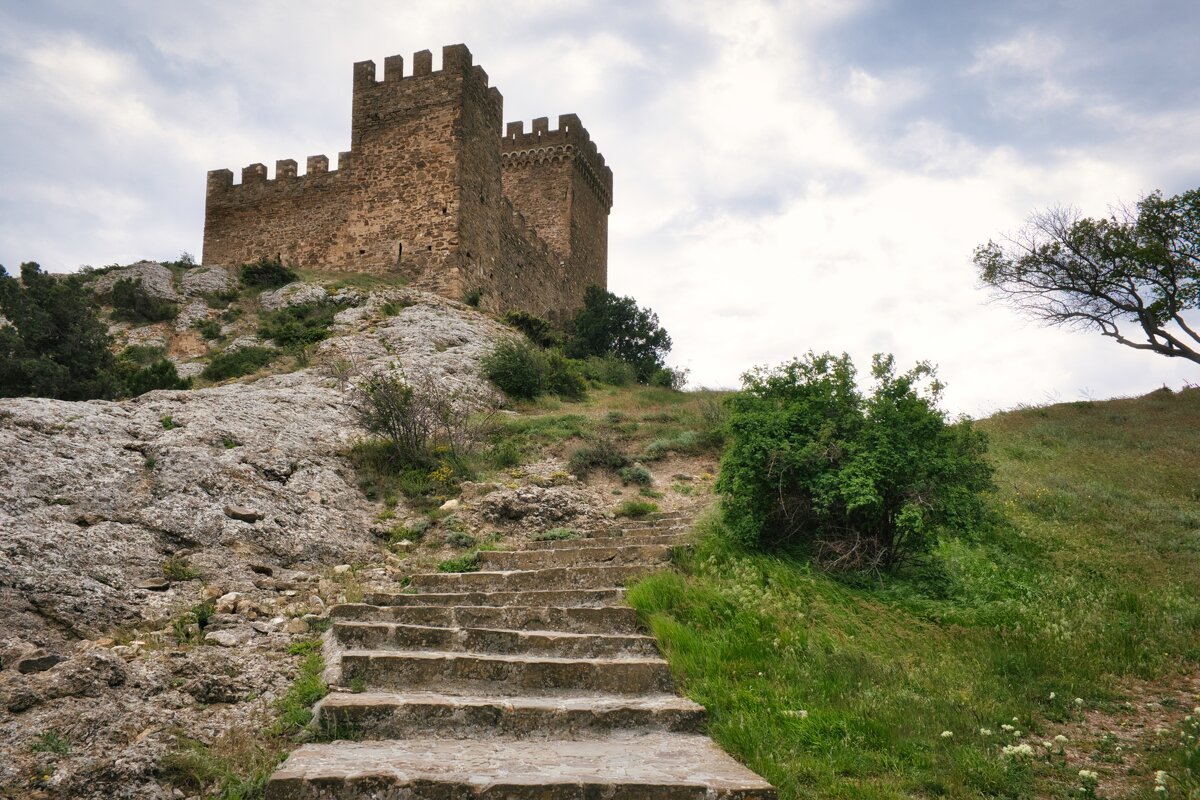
(132, 303)
(555, 535)
(296, 326)
(538, 330)
(235, 363)
(140, 369)
(635, 509)
(472, 297)
(464, 563)
(422, 414)
(865, 481)
(518, 368)
(460, 539)
(600, 454)
(609, 370)
(523, 371)
(208, 329)
(177, 568)
(684, 442)
(563, 377)
(636, 474)
(674, 379)
(267, 273)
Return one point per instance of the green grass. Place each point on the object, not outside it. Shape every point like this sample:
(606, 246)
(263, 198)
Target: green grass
(1089, 579)
(468, 562)
(635, 509)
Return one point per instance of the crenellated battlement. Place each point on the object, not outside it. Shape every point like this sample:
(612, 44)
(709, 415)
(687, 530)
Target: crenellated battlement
(433, 191)
(254, 176)
(570, 141)
(457, 64)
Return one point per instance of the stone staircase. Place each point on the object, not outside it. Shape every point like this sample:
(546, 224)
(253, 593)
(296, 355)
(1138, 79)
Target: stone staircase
(527, 679)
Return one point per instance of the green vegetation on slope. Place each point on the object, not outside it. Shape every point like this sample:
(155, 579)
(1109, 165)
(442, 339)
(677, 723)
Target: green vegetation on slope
(883, 690)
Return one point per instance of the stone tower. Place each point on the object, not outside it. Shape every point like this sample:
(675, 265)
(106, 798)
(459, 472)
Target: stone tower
(433, 191)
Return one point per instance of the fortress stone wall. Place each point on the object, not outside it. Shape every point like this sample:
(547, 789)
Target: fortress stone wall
(434, 188)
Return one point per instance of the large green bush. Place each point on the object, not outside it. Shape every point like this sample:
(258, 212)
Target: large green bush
(267, 273)
(862, 480)
(518, 368)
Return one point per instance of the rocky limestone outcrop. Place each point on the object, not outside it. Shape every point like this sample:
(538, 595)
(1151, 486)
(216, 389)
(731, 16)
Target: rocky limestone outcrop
(243, 488)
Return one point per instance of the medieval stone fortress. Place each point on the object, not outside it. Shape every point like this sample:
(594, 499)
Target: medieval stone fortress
(434, 189)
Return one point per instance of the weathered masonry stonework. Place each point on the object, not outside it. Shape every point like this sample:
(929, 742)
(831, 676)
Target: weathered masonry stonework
(434, 188)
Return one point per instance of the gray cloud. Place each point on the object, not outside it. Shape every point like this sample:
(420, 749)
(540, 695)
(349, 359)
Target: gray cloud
(788, 175)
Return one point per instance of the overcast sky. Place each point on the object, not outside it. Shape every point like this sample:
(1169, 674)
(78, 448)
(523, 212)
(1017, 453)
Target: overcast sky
(788, 176)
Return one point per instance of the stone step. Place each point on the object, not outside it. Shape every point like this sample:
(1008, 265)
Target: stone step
(561, 644)
(400, 715)
(662, 766)
(521, 580)
(608, 619)
(680, 537)
(603, 597)
(394, 669)
(576, 556)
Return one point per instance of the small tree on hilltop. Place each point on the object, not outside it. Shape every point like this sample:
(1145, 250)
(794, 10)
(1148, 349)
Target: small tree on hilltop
(1134, 277)
(862, 480)
(609, 325)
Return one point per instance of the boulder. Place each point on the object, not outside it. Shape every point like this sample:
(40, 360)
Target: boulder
(157, 280)
(206, 280)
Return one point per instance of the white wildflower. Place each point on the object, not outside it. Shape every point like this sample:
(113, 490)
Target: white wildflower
(798, 714)
(1160, 789)
(1017, 751)
(1078, 701)
(1006, 727)
(1088, 775)
(1061, 739)
(1161, 731)
(947, 734)
(1048, 745)
(1160, 777)
(985, 731)
(1052, 695)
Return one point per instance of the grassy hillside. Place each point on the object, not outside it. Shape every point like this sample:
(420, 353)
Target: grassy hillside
(1075, 616)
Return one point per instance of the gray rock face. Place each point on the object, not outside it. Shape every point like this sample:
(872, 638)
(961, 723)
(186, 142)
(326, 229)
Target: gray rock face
(96, 496)
(294, 294)
(206, 280)
(157, 280)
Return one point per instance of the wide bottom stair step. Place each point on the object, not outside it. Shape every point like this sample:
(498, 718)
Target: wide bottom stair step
(657, 766)
(400, 715)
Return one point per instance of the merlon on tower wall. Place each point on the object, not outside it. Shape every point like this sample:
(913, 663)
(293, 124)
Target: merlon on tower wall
(435, 189)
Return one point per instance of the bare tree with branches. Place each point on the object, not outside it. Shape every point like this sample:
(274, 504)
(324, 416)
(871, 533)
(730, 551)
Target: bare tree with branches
(1134, 276)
